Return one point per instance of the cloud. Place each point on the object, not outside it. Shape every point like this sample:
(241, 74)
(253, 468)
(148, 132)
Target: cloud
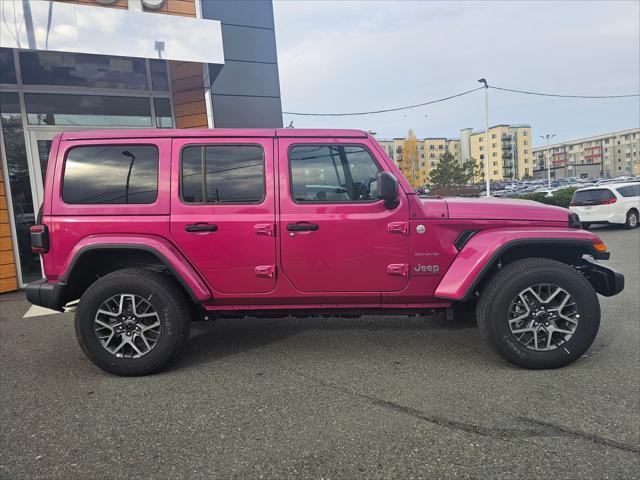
(354, 56)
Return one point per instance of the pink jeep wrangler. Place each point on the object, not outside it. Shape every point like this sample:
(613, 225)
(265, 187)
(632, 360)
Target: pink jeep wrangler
(153, 229)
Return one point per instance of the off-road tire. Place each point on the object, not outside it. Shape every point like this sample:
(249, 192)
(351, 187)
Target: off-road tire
(166, 297)
(507, 283)
(632, 219)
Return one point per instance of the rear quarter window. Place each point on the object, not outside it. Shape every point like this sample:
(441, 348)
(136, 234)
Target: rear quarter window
(111, 174)
(629, 191)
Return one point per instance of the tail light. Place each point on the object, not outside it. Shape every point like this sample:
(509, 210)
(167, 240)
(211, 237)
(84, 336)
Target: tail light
(606, 201)
(39, 238)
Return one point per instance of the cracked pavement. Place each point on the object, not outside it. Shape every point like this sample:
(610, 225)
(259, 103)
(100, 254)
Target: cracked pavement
(375, 397)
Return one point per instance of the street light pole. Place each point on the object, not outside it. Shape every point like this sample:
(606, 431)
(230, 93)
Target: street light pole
(548, 137)
(486, 142)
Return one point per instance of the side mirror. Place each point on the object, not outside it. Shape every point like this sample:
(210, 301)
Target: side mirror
(387, 189)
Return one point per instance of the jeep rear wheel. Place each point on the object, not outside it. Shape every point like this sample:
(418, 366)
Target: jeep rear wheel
(132, 322)
(539, 313)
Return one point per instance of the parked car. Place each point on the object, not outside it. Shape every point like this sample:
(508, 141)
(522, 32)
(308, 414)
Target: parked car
(608, 181)
(152, 229)
(608, 204)
(547, 191)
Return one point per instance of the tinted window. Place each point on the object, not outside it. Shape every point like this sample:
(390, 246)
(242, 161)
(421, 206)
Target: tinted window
(162, 107)
(81, 70)
(223, 174)
(630, 191)
(88, 110)
(592, 196)
(324, 173)
(19, 183)
(159, 79)
(111, 174)
(7, 67)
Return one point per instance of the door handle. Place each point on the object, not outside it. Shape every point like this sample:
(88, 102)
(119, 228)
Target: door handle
(201, 227)
(302, 227)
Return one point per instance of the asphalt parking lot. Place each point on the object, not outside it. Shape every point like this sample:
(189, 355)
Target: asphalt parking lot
(377, 397)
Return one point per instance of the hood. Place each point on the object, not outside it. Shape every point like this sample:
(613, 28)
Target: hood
(491, 208)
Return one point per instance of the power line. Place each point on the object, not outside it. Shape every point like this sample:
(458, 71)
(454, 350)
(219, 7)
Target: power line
(562, 96)
(397, 109)
(385, 110)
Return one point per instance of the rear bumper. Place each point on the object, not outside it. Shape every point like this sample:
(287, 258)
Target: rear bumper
(44, 294)
(600, 216)
(605, 280)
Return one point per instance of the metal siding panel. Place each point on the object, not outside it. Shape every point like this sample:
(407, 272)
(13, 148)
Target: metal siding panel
(249, 44)
(254, 13)
(249, 112)
(244, 78)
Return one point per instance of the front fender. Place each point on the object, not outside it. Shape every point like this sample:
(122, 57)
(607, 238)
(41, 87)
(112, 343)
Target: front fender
(162, 248)
(485, 247)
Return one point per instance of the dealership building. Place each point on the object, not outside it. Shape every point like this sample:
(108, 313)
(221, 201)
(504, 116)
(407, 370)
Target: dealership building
(96, 64)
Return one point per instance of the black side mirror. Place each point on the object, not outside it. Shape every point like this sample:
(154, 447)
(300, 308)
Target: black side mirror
(387, 189)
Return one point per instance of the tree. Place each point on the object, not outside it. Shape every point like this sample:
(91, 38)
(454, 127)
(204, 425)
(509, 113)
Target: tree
(411, 159)
(474, 171)
(449, 173)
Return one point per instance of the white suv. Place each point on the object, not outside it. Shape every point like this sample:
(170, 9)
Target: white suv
(616, 203)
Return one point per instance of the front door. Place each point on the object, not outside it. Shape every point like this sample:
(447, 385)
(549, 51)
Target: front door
(223, 211)
(336, 236)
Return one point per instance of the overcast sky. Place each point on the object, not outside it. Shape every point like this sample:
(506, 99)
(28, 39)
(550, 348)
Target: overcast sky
(349, 56)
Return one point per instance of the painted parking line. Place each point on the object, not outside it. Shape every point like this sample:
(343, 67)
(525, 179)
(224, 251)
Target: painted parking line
(36, 311)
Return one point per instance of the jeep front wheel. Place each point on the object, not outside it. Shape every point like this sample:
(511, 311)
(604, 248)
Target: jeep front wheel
(132, 321)
(539, 313)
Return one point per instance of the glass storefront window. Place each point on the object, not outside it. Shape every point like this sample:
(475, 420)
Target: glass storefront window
(31, 81)
(159, 78)
(44, 147)
(87, 110)
(82, 70)
(19, 183)
(163, 113)
(7, 66)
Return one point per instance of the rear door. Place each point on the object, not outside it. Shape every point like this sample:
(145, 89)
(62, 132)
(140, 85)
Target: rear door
(336, 236)
(223, 211)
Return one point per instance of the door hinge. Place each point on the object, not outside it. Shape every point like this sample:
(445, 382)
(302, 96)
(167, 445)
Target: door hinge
(265, 271)
(401, 228)
(264, 229)
(399, 269)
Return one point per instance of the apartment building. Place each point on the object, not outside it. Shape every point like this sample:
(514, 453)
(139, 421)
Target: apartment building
(430, 152)
(508, 150)
(607, 155)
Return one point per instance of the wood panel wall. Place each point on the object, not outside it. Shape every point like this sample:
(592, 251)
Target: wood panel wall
(188, 94)
(8, 275)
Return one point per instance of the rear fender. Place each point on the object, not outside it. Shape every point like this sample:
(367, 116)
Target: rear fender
(484, 250)
(173, 259)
